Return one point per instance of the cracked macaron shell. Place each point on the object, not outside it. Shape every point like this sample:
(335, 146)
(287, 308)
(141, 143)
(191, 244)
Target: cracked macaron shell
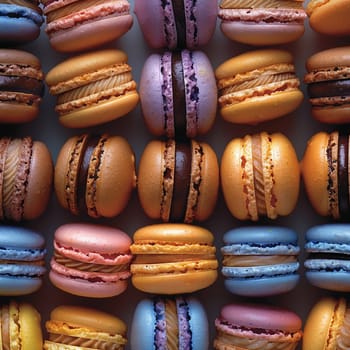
(166, 89)
(326, 319)
(260, 176)
(77, 25)
(196, 174)
(26, 175)
(330, 17)
(22, 86)
(328, 74)
(93, 88)
(257, 86)
(108, 194)
(173, 259)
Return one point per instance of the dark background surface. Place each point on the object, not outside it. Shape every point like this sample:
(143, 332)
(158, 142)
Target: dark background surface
(298, 126)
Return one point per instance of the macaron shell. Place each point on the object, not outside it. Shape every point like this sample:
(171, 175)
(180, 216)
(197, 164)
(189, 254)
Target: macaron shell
(17, 113)
(331, 17)
(19, 285)
(316, 182)
(92, 34)
(262, 34)
(332, 114)
(20, 237)
(334, 280)
(329, 59)
(174, 283)
(323, 323)
(84, 288)
(40, 178)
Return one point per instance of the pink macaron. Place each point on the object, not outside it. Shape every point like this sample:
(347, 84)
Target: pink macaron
(176, 24)
(90, 260)
(178, 94)
(257, 326)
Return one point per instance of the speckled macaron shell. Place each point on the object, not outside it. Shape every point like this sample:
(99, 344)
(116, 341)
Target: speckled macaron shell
(331, 272)
(329, 71)
(329, 17)
(261, 106)
(152, 18)
(22, 255)
(266, 243)
(152, 85)
(144, 323)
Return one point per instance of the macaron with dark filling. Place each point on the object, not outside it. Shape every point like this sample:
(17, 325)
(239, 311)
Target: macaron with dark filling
(178, 181)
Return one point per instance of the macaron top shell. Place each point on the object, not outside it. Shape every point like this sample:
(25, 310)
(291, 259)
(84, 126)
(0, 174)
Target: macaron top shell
(323, 324)
(269, 318)
(20, 57)
(338, 234)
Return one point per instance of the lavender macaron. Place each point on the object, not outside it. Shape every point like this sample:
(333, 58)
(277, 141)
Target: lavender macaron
(178, 94)
(175, 24)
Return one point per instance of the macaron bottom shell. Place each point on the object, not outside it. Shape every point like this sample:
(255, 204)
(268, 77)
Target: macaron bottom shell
(261, 287)
(19, 285)
(257, 34)
(338, 281)
(332, 114)
(85, 288)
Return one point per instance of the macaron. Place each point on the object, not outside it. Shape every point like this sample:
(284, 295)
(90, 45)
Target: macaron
(329, 17)
(257, 326)
(328, 248)
(21, 326)
(260, 176)
(22, 86)
(178, 94)
(26, 173)
(260, 260)
(325, 173)
(92, 88)
(262, 23)
(22, 260)
(176, 24)
(169, 323)
(173, 259)
(90, 260)
(20, 22)
(328, 319)
(77, 25)
(258, 86)
(79, 327)
(178, 181)
(328, 84)
(95, 175)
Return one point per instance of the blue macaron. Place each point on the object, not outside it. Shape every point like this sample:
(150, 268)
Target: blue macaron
(327, 264)
(20, 24)
(22, 265)
(160, 321)
(260, 260)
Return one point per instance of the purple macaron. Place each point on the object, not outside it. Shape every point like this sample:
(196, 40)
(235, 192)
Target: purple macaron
(176, 23)
(178, 94)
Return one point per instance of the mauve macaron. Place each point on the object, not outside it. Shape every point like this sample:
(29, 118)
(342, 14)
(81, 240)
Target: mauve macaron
(90, 260)
(178, 94)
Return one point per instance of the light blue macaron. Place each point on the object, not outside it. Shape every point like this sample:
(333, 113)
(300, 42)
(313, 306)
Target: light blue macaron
(328, 262)
(19, 24)
(260, 260)
(22, 265)
(149, 328)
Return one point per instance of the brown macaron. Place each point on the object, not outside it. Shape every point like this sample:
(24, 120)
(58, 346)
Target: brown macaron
(260, 176)
(22, 86)
(325, 171)
(93, 88)
(328, 81)
(178, 181)
(26, 173)
(95, 175)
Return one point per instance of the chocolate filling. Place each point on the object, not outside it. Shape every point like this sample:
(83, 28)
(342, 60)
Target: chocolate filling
(343, 175)
(180, 21)
(328, 256)
(22, 84)
(87, 151)
(182, 178)
(179, 95)
(329, 88)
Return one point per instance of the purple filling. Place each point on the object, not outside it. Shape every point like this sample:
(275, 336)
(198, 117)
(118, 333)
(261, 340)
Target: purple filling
(185, 333)
(160, 326)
